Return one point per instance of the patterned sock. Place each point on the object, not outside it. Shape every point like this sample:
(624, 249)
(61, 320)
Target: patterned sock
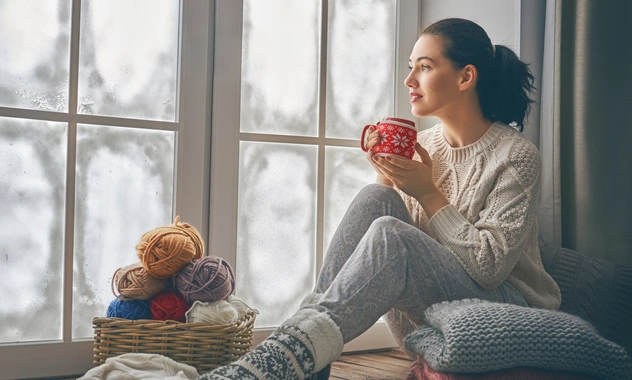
(302, 346)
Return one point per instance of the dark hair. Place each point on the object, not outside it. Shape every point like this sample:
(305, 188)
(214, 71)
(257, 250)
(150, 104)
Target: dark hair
(504, 81)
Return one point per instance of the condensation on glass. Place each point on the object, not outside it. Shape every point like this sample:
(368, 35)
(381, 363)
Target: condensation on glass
(128, 58)
(275, 234)
(124, 188)
(34, 46)
(280, 64)
(347, 171)
(360, 65)
(32, 213)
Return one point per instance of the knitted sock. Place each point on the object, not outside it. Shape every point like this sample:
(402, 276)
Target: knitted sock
(305, 344)
(323, 374)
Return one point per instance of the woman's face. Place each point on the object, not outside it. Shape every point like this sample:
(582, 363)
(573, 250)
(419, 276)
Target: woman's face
(433, 82)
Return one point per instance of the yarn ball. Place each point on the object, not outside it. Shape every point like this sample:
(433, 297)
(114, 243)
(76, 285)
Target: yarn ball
(207, 279)
(169, 306)
(217, 313)
(135, 282)
(129, 309)
(163, 251)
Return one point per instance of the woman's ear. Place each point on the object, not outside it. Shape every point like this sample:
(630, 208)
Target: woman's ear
(469, 75)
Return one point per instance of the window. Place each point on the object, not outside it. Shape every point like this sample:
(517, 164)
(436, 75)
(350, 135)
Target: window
(293, 88)
(103, 134)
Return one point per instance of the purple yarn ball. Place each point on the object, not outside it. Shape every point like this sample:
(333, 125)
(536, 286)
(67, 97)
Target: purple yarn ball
(129, 309)
(207, 279)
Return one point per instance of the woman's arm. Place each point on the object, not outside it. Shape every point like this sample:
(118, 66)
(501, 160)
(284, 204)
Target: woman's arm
(490, 248)
(506, 227)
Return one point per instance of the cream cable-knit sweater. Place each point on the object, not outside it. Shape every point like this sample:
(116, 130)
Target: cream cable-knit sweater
(490, 225)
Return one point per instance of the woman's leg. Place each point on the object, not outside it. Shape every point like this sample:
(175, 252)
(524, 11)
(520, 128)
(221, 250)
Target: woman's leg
(396, 265)
(290, 352)
(372, 202)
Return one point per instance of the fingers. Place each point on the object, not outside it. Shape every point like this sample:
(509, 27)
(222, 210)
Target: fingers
(423, 154)
(391, 166)
(373, 138)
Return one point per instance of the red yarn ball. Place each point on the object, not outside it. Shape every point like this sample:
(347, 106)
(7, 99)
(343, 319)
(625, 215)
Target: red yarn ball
(169, 306)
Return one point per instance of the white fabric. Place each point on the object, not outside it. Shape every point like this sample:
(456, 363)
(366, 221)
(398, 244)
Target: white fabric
(134, 366)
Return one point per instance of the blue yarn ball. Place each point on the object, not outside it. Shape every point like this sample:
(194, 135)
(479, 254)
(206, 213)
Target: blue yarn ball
(129, 309)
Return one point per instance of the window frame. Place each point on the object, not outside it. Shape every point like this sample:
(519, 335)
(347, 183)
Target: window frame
(226, 137)
(191, 181)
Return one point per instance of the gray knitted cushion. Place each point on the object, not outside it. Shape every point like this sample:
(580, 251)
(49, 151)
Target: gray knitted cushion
(596, 290)
(480, 336)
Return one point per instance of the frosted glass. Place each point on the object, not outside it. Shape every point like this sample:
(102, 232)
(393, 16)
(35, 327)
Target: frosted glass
(280, 54)
(347, 171)
(34, 46)
(32, 204)
(276, 231)
(124, 188)
(361, 65)
(128, 58)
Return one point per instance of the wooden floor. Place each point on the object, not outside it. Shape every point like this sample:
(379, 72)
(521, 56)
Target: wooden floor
(385, 365)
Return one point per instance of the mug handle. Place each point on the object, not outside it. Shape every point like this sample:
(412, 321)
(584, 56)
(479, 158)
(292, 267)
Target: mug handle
(362, 139)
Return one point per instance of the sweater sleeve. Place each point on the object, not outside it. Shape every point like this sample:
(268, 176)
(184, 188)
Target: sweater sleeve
(490, 248)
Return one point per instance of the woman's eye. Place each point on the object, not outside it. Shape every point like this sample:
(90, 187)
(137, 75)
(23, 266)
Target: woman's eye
(425, 67)
(410, 67)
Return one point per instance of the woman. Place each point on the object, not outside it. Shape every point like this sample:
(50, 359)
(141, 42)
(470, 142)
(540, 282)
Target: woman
(458, 221)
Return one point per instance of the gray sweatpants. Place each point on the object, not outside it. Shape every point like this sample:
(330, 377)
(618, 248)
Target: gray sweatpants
(378, 263)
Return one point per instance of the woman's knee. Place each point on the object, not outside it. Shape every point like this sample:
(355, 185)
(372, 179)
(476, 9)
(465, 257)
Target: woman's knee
(377, 190)
(384, 199)
(385, 223)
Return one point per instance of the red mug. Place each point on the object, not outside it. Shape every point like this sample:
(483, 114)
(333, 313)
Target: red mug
(397, 137)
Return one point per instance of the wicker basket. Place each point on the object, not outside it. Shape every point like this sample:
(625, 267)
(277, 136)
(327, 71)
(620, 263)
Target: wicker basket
(201, 345)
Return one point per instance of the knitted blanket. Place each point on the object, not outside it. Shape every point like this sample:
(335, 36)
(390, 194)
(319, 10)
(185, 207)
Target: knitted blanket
(471, 336)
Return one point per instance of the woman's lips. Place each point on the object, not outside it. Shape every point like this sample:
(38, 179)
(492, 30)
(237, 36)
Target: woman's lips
(415, 97)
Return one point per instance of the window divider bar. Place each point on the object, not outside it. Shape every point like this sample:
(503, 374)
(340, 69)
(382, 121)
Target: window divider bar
(124, 122)
(322, 141)
(305, 140)
(23, 113)
(63, 117)
(71, 160)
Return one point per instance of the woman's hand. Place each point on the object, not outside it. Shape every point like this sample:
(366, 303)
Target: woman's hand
(374, 138)
(413, 178)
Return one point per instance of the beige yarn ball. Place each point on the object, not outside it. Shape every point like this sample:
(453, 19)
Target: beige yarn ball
(135, 282)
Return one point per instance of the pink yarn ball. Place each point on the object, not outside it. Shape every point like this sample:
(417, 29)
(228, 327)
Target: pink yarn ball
(207, 279)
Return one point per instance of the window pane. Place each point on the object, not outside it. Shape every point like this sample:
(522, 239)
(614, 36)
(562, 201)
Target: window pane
(276, 228)
(279, 88)
(32, 202)
(34, 46)
(361, 65)
(128, 58)
(347, 171)
(124, 189)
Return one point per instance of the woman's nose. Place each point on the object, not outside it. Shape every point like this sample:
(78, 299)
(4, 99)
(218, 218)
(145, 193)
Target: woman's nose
(410, 81)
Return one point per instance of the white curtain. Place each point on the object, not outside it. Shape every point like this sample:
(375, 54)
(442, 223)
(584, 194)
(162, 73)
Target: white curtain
(537, 48)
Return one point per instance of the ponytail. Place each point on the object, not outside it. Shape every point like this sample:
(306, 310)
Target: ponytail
(504, 92)
(504, 84)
